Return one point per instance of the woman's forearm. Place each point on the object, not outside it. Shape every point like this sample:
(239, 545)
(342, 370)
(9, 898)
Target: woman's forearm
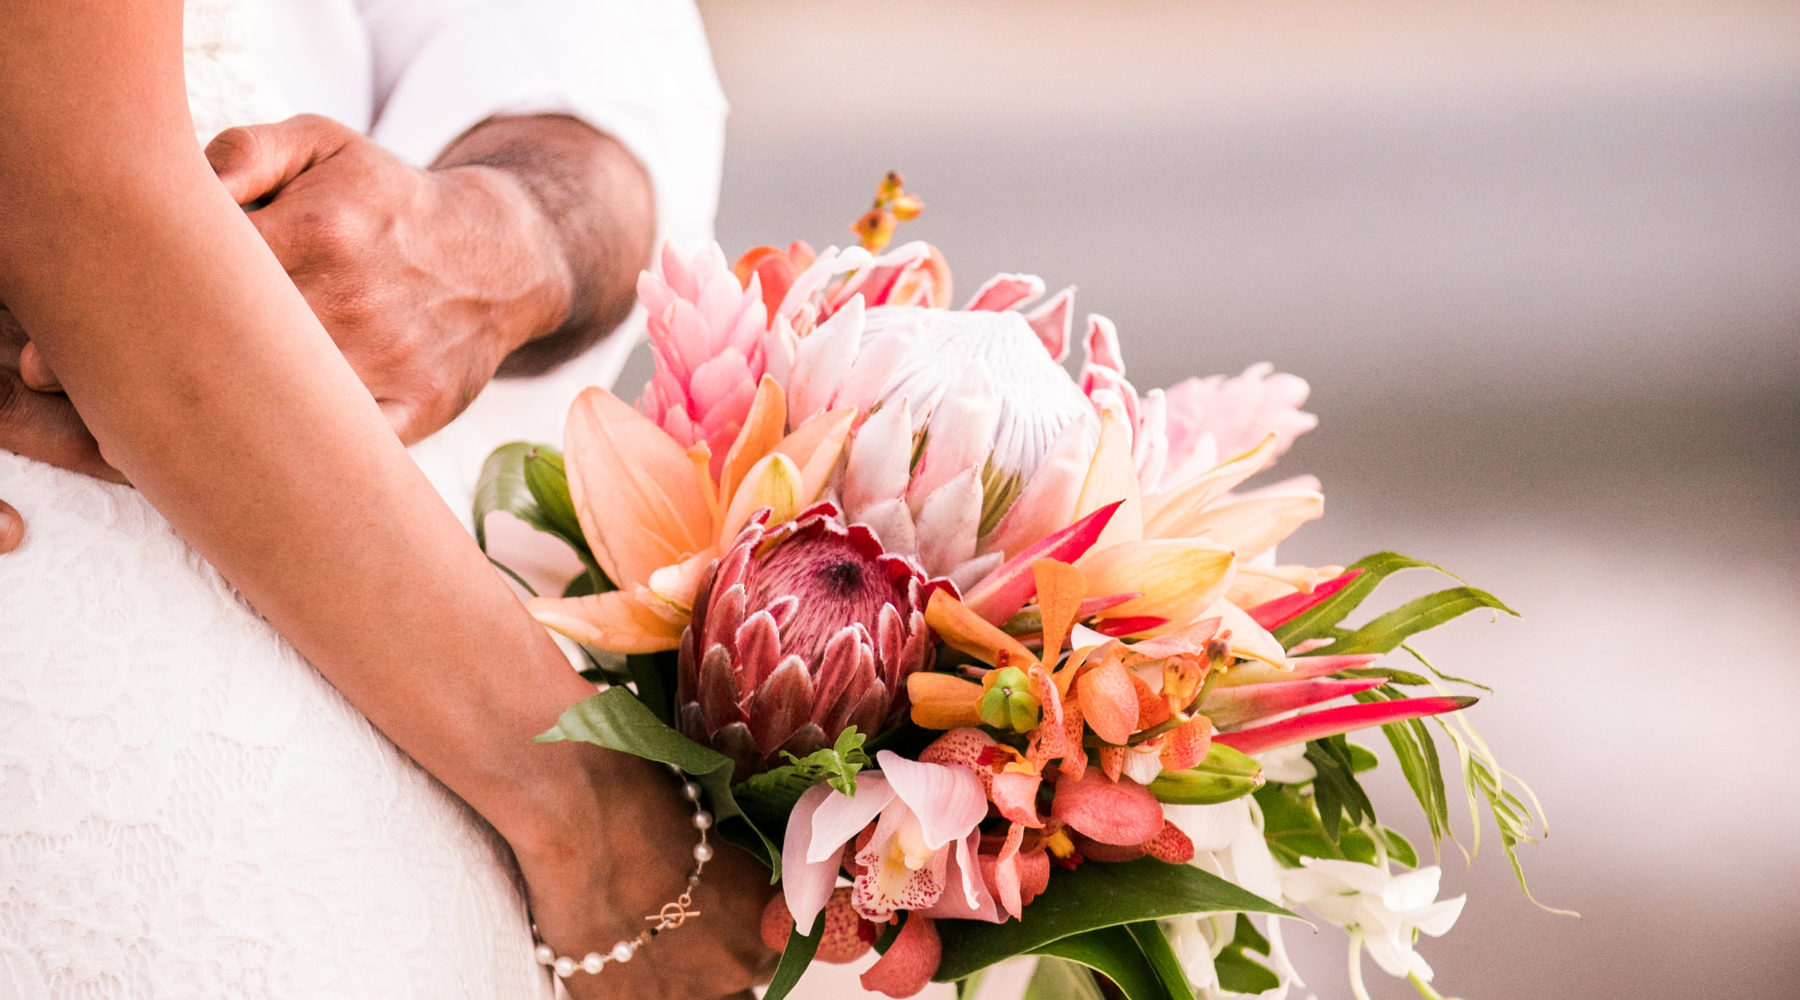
(207, 380)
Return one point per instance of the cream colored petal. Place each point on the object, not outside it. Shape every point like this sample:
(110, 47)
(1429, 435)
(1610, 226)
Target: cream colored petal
(1194, 494)
(1258, 584)
(1250, 527)
(1248, 639)
(773, 482)
(677, 584)
(1178, 577)
(1112, 476)
(634, 489)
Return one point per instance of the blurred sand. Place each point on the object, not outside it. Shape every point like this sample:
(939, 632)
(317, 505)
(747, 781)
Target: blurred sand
(1541, 262)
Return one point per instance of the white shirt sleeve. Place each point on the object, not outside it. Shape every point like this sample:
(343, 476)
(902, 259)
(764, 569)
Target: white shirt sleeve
(638, 70)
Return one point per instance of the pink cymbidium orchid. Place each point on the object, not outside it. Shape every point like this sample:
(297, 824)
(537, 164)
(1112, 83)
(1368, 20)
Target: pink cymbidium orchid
(923, 845)
(656, 516)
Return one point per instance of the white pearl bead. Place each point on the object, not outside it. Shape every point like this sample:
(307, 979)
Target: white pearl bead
(546, 955)
(623, 951)
(692, 791)
(703, 852)
(702, 820)
(565, 967)
(592, 963)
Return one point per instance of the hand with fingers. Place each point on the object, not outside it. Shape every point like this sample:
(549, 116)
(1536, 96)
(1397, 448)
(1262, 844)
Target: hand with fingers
(516, 250)
(591, 891)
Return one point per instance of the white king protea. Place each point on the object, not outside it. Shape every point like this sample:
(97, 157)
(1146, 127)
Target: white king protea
(976, 439)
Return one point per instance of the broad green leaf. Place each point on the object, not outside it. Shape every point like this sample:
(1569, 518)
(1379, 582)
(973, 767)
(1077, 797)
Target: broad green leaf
(1096, 895)
(1362, 759)
(1387, 631)
(794, 959)
(1399, 848)
(502, 487)
(1239, 973)
(1223, 775)
(548, 482)
(1155, 946)
(1291, 825)
(1114, 953)
(1061, 979)
(967, 989)
(1246, 935)
(615, 719)
(653, 674)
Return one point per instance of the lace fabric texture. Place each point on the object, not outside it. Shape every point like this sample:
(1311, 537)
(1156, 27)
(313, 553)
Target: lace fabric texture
(187, 809)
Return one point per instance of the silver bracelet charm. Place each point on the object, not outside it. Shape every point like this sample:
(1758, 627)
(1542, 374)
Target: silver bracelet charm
(673, 914)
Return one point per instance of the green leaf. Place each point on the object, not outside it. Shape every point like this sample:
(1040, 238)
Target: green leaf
(966, 989)
(1336, 789)
(1318, 621)
(1114, 953)
(651, 674)
(794, 959)
(1362, 759)
(1093, 896)
(1387, 631)
(1399, 848)
(1239, 973)
(1291, 825)
(1418, 757)
(1155, 946)
(1223, 775)
(1061, 979)
(615, 719)
(834, 764)
(548, 482)
(1246, 935)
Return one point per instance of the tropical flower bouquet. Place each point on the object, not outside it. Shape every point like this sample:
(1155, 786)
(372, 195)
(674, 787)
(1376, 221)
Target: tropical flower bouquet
(984, 660)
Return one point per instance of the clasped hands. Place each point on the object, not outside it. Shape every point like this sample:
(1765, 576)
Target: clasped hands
(427, 280)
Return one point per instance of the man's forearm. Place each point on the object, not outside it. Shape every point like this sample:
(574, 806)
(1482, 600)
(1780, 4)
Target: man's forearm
(599, 207)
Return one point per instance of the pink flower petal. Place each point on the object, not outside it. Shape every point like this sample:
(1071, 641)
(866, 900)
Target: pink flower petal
(948, 800)
(910, 961)
(839, 818)
(807, 884)
(1122, 813)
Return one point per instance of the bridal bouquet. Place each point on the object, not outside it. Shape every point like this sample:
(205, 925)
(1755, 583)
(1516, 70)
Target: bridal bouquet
(984, 660)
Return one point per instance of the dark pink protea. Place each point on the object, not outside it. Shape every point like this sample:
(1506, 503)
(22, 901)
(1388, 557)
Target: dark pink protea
(800, 631)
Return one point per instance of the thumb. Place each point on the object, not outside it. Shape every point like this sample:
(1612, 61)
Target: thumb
(254, 162)
(12, 527)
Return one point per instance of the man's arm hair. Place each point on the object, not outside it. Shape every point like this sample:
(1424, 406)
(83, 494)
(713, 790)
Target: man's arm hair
(599, 203)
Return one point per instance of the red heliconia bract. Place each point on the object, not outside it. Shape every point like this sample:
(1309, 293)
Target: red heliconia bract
(800, 631)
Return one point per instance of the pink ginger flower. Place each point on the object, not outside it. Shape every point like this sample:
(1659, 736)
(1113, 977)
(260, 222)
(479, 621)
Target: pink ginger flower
(708, 334)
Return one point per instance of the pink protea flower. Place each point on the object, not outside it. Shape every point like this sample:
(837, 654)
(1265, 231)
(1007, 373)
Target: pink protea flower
(707, 332)
(799, 631)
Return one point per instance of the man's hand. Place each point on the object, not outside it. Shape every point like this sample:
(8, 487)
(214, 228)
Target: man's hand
(516, 250)
(426, 279)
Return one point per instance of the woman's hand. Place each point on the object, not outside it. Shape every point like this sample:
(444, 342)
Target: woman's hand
(592, 888)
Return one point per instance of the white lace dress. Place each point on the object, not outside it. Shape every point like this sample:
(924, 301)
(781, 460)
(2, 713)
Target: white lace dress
(187, 809)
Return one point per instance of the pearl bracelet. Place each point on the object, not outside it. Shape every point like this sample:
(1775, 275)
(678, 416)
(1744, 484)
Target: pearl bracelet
(672, 915)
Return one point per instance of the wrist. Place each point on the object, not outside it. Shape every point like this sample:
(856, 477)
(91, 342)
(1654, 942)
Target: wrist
(523, 244)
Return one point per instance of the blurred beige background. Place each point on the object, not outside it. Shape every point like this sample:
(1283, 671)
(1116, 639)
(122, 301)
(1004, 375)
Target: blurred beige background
(1541, 263)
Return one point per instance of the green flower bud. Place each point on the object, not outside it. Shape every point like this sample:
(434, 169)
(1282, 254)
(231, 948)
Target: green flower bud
(1009, 702)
